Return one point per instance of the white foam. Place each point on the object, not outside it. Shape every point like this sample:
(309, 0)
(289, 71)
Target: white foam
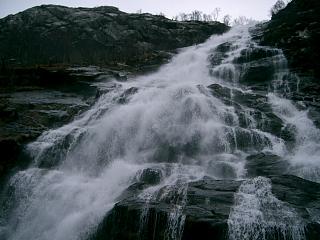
(258, 214)
(305, 158)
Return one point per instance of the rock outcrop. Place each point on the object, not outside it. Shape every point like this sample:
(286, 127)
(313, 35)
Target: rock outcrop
(33, 101)
(296, 30)
(205, 209)
(100, 36)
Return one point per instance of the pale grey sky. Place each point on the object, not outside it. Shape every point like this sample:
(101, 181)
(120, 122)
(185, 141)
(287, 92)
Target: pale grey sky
(256, 9)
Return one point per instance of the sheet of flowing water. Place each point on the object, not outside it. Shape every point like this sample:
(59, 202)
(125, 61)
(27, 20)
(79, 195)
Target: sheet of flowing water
(257, 213)
(168, 120)
(305, 159)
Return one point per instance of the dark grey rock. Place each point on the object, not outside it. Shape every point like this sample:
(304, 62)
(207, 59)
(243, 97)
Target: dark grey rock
(253, 54)
(9, 149)
(150, 176)
(260, 110)
(203, 212)
(221, 170)
(219, 53)
(260, 71)
(50, 34)
(296, 30)
(264, 164)
(207, 207)
(124, 97)
(250, 100)
(30, 110)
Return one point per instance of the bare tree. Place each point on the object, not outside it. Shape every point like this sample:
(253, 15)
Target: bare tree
(199, 16)
(139, 11)
(206, 17)
(183, 17)
(215, 13)
(227, 19)
(279, 5)
(242, 20)
(196, 16)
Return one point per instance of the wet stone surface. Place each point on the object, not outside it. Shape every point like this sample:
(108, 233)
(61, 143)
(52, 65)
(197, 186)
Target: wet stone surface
(29, 108)
(264, 164)
(205, 211)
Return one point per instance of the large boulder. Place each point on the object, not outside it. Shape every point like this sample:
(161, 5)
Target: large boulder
(152, 176)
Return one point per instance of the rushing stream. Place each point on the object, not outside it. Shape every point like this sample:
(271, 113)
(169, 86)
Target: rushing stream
(169, 120)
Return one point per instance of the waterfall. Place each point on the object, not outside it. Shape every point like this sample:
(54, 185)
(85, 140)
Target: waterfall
(190, 119)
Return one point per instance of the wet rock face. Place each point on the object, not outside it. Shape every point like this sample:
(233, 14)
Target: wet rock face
(9, 149)
(255, 61)
(150, 176)
(102, 35)
(204, 210)
(253, 74)
(221, 170)
(205, 207)
(129, 92)
(35, 101)
(258, 108)
(255, 67)
(220, 53)
(264, 164)
(296, 29)
(254, 54)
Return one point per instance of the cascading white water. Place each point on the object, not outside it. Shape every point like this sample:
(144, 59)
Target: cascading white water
(305, 159)
(167, 118)
(257, 212)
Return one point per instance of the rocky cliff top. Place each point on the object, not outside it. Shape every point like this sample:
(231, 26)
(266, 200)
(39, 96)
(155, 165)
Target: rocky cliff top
(103, 35)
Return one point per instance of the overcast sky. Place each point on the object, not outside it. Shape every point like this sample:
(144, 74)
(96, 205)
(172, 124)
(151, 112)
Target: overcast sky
(256, 9)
